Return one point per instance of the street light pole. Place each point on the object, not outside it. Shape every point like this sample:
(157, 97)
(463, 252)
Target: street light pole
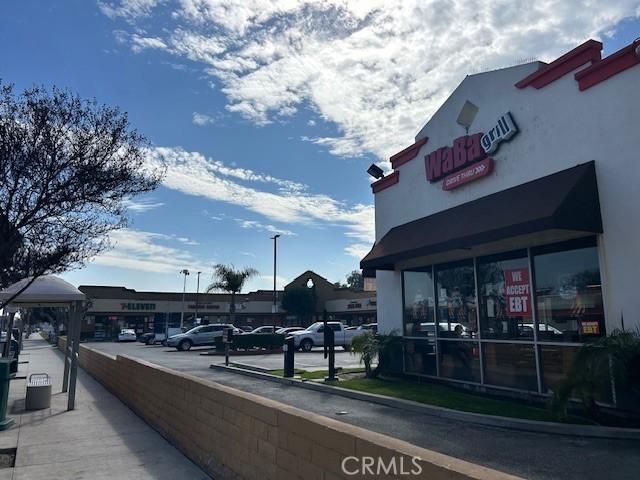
(184, 272)
(197, 293)
(275, 296)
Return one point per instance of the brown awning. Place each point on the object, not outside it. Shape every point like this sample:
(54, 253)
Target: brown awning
(567, 200)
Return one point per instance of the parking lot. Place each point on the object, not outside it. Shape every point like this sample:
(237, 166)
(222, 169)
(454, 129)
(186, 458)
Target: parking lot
(194, 359)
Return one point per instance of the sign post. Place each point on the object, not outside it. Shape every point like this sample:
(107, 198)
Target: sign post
(227, 338)
(329, 348)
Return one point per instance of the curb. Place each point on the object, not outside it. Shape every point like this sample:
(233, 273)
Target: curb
(614, 433)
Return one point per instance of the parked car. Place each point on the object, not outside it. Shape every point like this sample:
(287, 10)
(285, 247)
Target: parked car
(373, 327)
(245, 329)
(153, 338)
(146, 337)
(288, 330)
(199, 336)
(127, 335)
(350, 328)
(313, 336)
(264, 329)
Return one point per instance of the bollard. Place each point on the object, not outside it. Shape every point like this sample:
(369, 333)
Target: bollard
(330, 345)
(289, 352)
(4, 393)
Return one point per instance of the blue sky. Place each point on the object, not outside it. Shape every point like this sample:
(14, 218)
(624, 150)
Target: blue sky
(268, 113)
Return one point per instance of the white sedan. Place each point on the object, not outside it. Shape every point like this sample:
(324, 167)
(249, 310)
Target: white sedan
(127, 335)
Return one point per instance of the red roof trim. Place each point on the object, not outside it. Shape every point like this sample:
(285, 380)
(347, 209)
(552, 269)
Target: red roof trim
(608, 67)
(408, 153)
(385, 182)
(589, 51)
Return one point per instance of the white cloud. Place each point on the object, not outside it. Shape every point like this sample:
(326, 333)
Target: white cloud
(129, 9)
(149, 252)
(192, 173)
(141, 206)
(248, 254)
(358, 250)
(202, 119)
(262, 227)
(139, 43)
(265, 282)
(376, 69)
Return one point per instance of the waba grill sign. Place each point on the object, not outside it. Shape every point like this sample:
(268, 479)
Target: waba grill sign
(467, 159)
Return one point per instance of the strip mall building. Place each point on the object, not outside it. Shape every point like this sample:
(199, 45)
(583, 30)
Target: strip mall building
(114, 308)
(513, 222)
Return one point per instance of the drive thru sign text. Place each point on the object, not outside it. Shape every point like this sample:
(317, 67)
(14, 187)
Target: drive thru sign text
(517, 292)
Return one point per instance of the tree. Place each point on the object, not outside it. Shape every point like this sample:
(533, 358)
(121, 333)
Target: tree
(299, 302)
(372, 347)
(355, 280)
(67, 167)
(614, 357)
(228, 279)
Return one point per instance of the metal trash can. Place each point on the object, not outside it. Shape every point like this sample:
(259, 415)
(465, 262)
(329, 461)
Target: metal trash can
(38, 392)
(4, 393)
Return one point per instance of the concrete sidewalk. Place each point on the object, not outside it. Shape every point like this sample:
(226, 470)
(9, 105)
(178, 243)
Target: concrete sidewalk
(100, 439)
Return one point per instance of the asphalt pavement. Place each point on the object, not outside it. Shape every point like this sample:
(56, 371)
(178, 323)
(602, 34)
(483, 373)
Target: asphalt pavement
(529, 455)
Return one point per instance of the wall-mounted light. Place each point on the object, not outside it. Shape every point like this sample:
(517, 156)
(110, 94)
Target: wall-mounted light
(467, 115)
(375, 171)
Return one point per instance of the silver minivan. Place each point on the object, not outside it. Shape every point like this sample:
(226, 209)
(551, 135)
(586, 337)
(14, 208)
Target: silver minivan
(199, 336)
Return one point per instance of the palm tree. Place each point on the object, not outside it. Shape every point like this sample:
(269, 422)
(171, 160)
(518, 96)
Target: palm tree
(228, 279)
(614, 357)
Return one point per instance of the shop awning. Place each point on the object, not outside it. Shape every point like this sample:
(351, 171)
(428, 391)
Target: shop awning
(567, 200)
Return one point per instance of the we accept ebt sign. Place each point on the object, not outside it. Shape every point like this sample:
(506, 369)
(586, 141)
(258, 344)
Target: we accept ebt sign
(517, 292)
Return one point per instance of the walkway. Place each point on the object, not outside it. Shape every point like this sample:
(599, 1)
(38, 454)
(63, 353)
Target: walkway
(100, 439)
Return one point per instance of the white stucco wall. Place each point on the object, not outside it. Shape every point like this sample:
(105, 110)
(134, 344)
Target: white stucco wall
(560, 127)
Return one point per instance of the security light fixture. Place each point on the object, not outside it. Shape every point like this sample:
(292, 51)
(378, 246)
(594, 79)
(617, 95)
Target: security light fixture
(467, 115)
(375, 171)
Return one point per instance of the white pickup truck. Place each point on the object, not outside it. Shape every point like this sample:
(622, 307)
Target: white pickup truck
(313, 336)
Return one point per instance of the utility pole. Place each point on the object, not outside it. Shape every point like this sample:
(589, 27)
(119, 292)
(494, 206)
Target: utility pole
(184, 272)
(197, 293)
(274, 309)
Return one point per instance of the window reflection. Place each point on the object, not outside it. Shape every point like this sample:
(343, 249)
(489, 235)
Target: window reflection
(460, 360)
(418, 304)
(568, 291)
(505, 296)
(420, 357)
(457, 311)
(510, 365)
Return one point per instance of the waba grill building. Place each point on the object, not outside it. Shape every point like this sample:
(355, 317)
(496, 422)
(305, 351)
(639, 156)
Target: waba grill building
(512, 223)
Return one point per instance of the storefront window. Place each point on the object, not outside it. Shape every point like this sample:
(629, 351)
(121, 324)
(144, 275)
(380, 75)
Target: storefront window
(460, 360)
(418, 304)
(556, 363)
(420, 357)
(505, 296)
(568, 291)
(457, 311)
(510, 365)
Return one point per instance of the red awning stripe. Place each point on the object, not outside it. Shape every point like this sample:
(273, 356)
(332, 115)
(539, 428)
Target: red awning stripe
(608, 67)
(589, 51)
(407, 154)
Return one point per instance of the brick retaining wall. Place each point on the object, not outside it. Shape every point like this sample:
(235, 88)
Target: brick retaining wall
(233, 434)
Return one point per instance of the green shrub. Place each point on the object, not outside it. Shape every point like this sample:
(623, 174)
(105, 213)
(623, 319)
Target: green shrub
(614, 357)
(372, 347)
